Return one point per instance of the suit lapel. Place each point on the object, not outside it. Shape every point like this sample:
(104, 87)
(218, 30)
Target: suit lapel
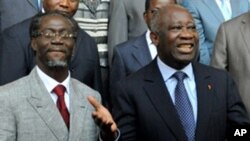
(158, 94)
(212, 5)
(140, 51)
(41, 101)
(33, 3)
(204, 87)
(245, 30)
(77, 113)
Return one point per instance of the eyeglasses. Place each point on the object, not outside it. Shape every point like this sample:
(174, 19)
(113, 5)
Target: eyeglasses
(52, 35)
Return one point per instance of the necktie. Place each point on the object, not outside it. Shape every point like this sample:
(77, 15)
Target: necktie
(59, 91)
(225, 10)
(183, 106)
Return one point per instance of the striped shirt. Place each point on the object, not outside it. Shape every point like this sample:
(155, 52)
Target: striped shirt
(92, 16)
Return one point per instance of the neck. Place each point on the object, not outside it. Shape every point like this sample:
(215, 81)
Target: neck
(57, 73)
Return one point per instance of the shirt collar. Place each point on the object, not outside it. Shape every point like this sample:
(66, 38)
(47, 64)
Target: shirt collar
(167, 71)
(149, 41)
(51, 83)
(151, 46)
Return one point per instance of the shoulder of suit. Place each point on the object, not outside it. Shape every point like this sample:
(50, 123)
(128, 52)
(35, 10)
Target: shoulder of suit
(209, 70)
(19, 29)
(129, 43)
(244, 18)
(15, 87)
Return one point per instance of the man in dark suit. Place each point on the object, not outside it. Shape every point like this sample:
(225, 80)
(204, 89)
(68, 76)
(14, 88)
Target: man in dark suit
(126, 22)
(41, 112)
(147, 104)
(17, 58)
(133, 54)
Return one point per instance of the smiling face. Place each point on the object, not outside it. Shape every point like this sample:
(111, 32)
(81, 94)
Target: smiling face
(177, 38)
(54, 43)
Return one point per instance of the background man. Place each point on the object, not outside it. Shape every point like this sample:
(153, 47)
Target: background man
(208, 15)
(231, 53)
(126, 22)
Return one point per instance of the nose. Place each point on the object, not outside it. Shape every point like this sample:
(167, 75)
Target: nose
(64, 3)
(57, 40)
(187, 33)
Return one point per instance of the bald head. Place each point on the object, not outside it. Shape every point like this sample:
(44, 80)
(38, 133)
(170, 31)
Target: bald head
(163, 16)
(152, 5)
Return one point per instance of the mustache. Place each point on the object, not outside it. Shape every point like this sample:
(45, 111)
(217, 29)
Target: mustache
(58, 49)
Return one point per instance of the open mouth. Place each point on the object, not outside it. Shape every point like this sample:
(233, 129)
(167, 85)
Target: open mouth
(185, 48)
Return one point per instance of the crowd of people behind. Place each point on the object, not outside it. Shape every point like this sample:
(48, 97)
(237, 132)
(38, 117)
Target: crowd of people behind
(146, 70)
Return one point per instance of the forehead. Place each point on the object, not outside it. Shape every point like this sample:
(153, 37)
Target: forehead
(55, 22)
(160, 3)
(177, 15)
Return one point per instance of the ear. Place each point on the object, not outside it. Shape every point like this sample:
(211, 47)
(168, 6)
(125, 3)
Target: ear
(154, 38)
(34, 44)
(145, 17)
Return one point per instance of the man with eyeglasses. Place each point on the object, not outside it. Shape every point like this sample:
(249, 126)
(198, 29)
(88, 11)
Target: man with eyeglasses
(33, 108)
(17, 57)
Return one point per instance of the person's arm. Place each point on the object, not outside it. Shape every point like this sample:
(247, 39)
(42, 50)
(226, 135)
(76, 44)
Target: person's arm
(219, 56)
(124, 112)
(117, 71)
(237, 116)
(103, 118)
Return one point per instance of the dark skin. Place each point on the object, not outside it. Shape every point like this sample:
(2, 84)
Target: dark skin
(67, 6)
(155, 4)
(53, 49)
(177, 42)
(58, 49)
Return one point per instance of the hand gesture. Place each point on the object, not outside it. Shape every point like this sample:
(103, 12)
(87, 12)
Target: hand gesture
(103, 119)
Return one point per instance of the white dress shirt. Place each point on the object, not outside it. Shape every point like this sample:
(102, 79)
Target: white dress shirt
(151, 46)
(171, 82)
(51, 83)
(227, 12)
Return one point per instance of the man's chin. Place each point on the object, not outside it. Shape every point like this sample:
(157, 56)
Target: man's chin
(57, 64)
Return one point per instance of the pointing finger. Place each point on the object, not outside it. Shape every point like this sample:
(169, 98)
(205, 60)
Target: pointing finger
(94, 102)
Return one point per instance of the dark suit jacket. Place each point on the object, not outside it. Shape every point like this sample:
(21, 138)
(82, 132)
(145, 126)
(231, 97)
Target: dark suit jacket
(126, 22)
(17, 58)
(10, 14)
(144, 110)
(129, 57)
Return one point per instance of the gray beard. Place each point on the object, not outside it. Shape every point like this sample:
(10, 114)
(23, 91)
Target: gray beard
(57, 63)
